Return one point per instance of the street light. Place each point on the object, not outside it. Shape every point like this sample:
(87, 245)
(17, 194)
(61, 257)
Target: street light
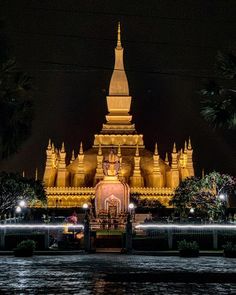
(22, 204)
(222, 197)
(131, 206)
(191, 210)
(18, 209)
(131, 209)
(85, 206)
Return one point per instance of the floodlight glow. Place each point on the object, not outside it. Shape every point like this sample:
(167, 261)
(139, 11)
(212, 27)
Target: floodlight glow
(18, 209)
(185, 226)
(191, 210)
(222, 197)
(22, 203)
(40, 226)
(131, 206)
(85, 206)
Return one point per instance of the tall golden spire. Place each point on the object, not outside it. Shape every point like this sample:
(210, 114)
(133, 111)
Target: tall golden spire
(118, 46)
(118, 100)
(119, 83)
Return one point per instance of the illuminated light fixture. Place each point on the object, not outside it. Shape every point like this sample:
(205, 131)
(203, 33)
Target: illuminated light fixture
(22, 203)
(18, 209)
(40, 226)
(185, 226)
(222, 197)
(191, 210)
(131, 206)
(85, 206)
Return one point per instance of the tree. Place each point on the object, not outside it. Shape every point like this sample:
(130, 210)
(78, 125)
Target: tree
(14, 188)
(184, 194)
(218, 103)
(204, 195)
(16, 108)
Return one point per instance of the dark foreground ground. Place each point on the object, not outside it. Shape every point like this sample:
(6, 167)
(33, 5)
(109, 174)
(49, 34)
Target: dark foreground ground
(117, 274)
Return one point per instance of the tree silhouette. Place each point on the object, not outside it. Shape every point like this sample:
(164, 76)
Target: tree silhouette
(16, 107)
(218, 103)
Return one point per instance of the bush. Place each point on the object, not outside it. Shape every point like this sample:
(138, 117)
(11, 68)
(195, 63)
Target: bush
(188, 249)
(25, 248)
(229, 250)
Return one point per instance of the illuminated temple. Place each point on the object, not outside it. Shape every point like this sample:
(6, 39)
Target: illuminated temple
(117, 166)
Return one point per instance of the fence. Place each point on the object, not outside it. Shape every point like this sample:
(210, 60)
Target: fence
(165, 236)
(44, 234)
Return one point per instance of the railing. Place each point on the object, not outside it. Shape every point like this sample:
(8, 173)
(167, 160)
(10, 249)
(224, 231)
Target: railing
(209, 236)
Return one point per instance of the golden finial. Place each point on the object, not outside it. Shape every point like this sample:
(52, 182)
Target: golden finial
(53, 147)
(166, 159)
(81, 148)
(203, 173)
(63, 148)
(119, 151)
(49, 144)
(100, 150)
(174, 148)
(156, 150)
(137, 151)
(72, 156)
(189, 144)
(119, 36)
(185, 146)
(23, 173)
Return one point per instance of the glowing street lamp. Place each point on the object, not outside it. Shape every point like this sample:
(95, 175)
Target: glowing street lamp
(18, 209)
(85, 206)
(222, 197)
(22, 204)
(131, 206)
(131, 209)
(191, 210)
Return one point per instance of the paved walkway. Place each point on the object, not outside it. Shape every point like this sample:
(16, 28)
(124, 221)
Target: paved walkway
(117, 274)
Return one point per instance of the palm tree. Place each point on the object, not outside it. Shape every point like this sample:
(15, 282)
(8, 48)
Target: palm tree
(218, 104)
(15, 105)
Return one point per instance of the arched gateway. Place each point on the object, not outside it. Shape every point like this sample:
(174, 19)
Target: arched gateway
(111, 194)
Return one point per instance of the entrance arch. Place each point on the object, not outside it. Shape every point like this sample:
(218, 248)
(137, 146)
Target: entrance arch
(112, 205)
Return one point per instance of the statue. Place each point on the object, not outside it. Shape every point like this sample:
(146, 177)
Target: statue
(111, 165)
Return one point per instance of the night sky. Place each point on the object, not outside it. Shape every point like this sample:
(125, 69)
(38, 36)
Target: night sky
(170, 49)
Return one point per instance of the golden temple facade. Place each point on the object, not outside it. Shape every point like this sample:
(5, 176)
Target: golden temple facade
(147, 175)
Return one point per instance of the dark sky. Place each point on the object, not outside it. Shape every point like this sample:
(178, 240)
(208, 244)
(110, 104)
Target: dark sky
(170, 48)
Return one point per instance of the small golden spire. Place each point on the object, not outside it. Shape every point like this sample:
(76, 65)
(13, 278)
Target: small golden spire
(36, 174)
(189, 144)
(81, 148)
(156, 150)
(137, 151)
(118, 37)
(53, 147)
(185, 146)
(166, 159)
(72, 156)
(63, 147)
(119, 151)
(100, 150)
(49, 144)
(174, 148)
(23, 173)
(203, 173)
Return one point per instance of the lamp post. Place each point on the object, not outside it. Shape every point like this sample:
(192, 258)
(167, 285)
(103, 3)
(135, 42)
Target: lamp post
(23, 205)
(223, 199)
(132, 210)
(18, 211)
(86, 229)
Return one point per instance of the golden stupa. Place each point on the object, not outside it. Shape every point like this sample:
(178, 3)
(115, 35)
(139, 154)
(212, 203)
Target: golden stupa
(147, 175)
